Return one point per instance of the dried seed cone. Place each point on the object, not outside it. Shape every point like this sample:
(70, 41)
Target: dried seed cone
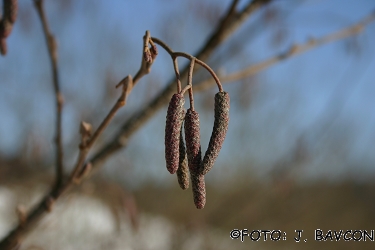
(175, 116)
(219, 131)
(192, 137)
(10, 10)
(183, 170)
(199, 190)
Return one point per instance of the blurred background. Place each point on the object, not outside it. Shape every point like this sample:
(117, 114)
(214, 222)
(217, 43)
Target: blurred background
(299, 153)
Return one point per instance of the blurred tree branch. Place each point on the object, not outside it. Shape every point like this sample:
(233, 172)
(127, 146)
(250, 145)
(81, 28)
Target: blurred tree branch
(52, 51)
(293, 51)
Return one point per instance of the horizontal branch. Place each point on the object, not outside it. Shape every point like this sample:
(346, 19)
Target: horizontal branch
(293, 51)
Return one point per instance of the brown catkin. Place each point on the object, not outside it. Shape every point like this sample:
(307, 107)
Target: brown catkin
(219, 131)
(199, 190)
(192, 137)
(175, 116)
(183, 170)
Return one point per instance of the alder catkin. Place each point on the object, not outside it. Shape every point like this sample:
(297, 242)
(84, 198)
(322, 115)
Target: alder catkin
(183, 170)
(192, 138)
(199, 190)
(219, 131)
(175, 116)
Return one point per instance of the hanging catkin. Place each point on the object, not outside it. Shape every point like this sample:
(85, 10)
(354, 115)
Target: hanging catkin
(192, 137)
(183, 171)
(218, 133)
(174, 120)
(199, 190)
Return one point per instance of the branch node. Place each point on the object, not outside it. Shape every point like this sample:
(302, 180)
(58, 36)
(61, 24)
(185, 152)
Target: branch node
(85, 129)
(187, 87)
(127, 86)
(83, 173)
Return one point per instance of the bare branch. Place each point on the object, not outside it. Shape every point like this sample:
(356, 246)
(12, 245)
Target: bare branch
(81, 170)
(10, 10)
(52, 50)
(85, 147)
(293, 51)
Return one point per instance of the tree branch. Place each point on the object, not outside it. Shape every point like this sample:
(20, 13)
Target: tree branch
(293, 51)
(13, 240)
(52, 51)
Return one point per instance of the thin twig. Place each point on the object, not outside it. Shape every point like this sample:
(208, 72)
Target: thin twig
(208, 68)
(187, 87)
(190, 82)
(177, 72)
(52, 51)
(174, 56)
(127, 84)
(293, 51)
(145, 64)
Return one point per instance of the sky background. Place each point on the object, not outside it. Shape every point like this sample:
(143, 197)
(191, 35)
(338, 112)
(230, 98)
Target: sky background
(310, 117)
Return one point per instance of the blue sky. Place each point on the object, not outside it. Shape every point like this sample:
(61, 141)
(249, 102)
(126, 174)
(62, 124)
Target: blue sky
(324, 96)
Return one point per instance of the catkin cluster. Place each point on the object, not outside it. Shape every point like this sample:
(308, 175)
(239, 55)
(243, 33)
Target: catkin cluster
(176, 152)
(10, 8)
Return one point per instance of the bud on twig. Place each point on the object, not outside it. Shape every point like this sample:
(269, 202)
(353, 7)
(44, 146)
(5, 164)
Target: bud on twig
(175, 115)
(85, 130)
(147, 56)
(183, 170)
(218, 133)
(192, 137)
(154, 49)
